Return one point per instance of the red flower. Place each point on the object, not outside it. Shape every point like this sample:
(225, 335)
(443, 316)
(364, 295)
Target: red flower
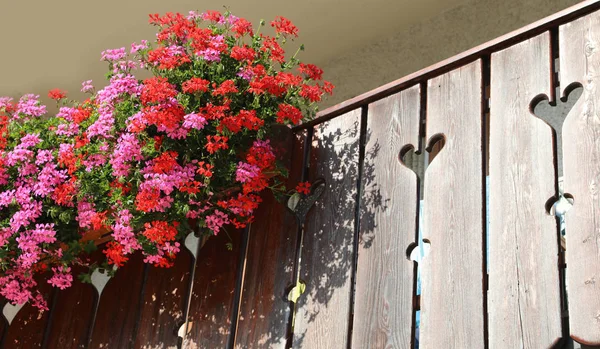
(312, 71)
(271, 45)
(312, 93)
(288, 79)
(64, 193)
(98, 220)
(57, 94)
(164, 117)
(147, 200)
(243, 53)
(213, 16)
(165, 162)
(172, 25)
(261, 156)
(192, 187)
(328, 87)
(242, 27)
(284, 26)
(157, 90)
(166, 59)
(160, 232)
(289, 112)
(194, 85)
(81, 115)
(204, 169)
(227, 86)
(303, 188)
(114, 254)
(214, 112)
(215, 143)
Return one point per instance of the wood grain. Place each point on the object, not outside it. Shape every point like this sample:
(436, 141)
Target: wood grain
(384, 278)
(580, 62)
(73, 313)
(264, 309)
(452, 273)
(27, 329)
(326, 262)
(118, 309)
(524, 289)
(164, 303)
(213, 292)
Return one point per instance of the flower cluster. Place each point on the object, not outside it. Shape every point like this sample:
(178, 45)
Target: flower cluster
(145, 158)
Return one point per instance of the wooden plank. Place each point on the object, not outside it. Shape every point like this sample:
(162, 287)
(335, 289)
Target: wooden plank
(385, 277)
(118, 309)
(213, 292)
(327, 256)
(3, 325)
(27, 328)
(504, 41)
(264, 310)
(580, 62)
(164, 304)
(524, 289)
(452, 273)
(72, 315)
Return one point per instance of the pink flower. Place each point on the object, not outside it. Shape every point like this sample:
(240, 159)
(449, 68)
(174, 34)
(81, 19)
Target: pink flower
(194, 121)
(136, 47)
(128, 149)
(216, 220)
(62, 277)
(123, 232)
(246, 172)
(87, 87)
(29, 106)
(113, 55)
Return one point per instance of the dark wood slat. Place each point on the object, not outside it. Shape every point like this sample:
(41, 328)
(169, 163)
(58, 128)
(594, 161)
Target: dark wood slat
(524, 289)
(3, 325)
(213, 292)
(580, 62)
(384, 281)
(119, 307)
(73, 315)
(327, 256)
(452, 273)
(460, 59)
(164, 304)
(27, 328)
(264, 309)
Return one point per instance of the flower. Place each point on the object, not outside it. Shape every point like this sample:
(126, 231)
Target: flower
(139, 157)
(57, 94)
(303, 188)
(284, 26)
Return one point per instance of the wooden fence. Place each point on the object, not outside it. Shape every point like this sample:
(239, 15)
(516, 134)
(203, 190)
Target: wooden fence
(464, 159)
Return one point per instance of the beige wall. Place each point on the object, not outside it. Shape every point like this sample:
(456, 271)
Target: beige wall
(430, 41)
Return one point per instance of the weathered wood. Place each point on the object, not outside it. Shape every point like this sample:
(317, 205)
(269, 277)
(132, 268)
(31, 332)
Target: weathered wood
(73, 313)
(164, 303)
(26, 330)
(452, 273)
(524, 289)
(384, 278)
(264, 309)
(213, 292)
(118, 309)
(580, 62)
(326, 267)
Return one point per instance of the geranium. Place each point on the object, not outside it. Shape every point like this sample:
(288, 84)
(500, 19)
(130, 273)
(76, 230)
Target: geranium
(139, 158)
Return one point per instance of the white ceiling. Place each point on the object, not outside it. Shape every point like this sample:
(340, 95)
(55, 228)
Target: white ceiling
(56, 43)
